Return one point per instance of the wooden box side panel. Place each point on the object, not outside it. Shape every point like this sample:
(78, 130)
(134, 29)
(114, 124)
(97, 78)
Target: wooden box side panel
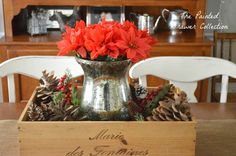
(107, 138)
(23, 116)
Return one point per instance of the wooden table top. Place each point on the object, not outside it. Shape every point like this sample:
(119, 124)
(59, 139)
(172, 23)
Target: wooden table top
(216, 129)
(11, 110)
(201, 111)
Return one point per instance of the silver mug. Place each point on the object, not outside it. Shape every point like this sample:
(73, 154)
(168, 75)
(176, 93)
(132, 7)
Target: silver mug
(145, 22)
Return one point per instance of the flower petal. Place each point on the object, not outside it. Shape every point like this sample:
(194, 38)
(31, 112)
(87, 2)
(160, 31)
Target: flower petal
(82, 52)
(122, 44)
(131, 53)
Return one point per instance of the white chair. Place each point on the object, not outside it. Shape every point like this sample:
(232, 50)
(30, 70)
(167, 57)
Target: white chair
(33, 66)
(184, 72)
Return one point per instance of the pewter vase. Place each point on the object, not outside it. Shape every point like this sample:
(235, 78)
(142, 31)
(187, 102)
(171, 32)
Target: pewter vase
(105, 87)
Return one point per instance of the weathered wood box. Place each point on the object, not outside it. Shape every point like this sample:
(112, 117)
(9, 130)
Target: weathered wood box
(102, 138)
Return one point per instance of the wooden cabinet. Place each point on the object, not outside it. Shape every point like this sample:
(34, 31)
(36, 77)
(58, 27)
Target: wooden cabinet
(189, 43)
(13, 7)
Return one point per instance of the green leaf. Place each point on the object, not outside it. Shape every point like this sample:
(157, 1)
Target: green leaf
(155, 101)
(75, 97)
(139, 117)
(68, 78)
(58, 97)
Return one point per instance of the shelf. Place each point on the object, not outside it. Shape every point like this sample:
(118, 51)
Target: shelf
(186, 38)
(159, 2)
(48, 39)
(163, 39)
(13, 7)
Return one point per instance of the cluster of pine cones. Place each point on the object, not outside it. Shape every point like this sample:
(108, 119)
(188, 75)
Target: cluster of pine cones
(174, 108)
(43, 107)
(165, 103)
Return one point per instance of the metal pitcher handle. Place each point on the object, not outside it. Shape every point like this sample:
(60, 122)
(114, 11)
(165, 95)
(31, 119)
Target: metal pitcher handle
(184, 14)
(163, 14)
(156, 23)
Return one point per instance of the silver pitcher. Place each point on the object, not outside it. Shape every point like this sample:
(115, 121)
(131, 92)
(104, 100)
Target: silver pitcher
(176, 20)
(146, 22)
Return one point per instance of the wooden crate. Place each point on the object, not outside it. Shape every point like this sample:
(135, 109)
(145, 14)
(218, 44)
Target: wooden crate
(105, 138)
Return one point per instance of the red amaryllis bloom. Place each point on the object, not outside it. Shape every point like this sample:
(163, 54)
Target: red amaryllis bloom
(135, 46)
(73, 40)
(127, 25)
(94, 41)
(144, 34)
(100, 39)
(106, 40)
(65, 46)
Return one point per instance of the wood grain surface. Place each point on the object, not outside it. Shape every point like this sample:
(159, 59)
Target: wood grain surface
(214, 138)
(9, 138)
(216, 127)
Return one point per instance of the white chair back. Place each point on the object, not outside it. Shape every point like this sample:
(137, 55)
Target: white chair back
(184, 72)
(33, 66)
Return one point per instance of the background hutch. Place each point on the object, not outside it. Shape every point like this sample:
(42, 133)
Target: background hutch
(189, 43)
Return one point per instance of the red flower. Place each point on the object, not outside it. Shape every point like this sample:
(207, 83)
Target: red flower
(135, 46)
(127, 25)
(107, 39)
(144, 34)
(64, 47)
(79, 25)
(73, 40)
(94, 39)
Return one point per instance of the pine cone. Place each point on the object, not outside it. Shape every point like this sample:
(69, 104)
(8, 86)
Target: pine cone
(35, 113)
(180, 96)
(41, 108)
(171, 110)
(171, 92)
(66, 113)
(48, 81)
(176, 94)
(43, 96)
(48, 85)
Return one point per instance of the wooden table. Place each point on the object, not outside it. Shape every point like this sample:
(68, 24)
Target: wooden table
(11, 110)
(216, 129)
